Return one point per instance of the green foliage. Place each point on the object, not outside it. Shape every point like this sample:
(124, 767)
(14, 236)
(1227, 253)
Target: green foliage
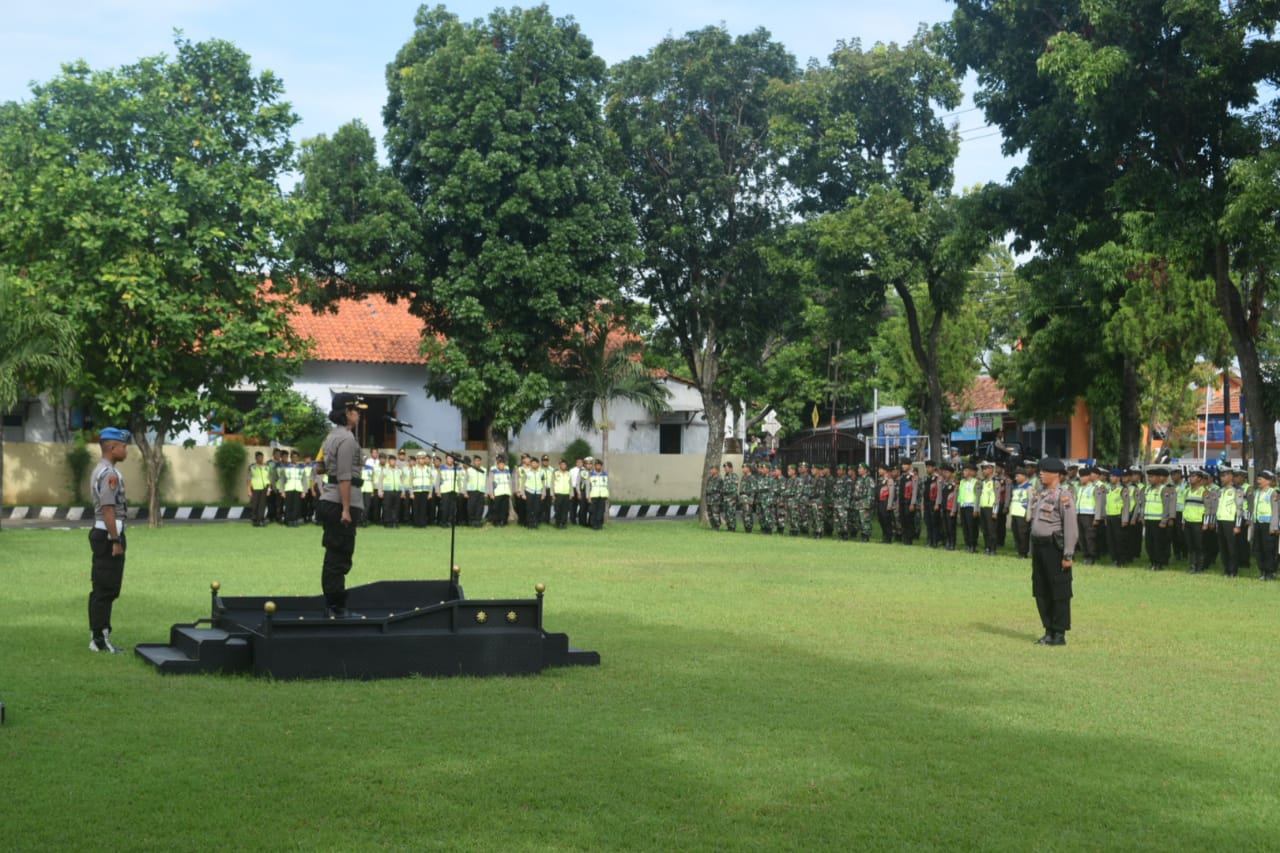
(495, 133)
(144, 200)
(229, 460)
(283, 416)
(579, 448)
(79, 458)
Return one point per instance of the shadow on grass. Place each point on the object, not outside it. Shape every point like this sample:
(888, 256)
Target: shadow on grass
(1001, 631)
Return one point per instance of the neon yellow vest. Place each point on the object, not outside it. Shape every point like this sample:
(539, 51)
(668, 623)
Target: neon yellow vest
(1154, 507)
(1193, 509)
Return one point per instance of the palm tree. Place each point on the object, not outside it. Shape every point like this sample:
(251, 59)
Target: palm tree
(603, 365)
(37, 348)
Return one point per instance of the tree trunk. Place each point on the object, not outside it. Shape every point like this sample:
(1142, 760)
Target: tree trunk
(1, 470)
(927, 359)
(1130, 416)
(713, 406)
(604, 432)
(153, 463)
(1237, 320)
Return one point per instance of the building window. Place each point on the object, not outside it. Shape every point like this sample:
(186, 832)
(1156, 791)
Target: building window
(670, 438)
(13, 430)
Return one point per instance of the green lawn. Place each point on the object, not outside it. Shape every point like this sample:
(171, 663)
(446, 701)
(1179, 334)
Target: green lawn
(755, 693)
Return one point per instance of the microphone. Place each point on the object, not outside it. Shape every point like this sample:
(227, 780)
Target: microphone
(397, 422)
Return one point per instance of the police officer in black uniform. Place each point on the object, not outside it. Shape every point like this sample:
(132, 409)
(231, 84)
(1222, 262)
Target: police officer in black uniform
(341, 505)
(106, 537)
(1052, 512)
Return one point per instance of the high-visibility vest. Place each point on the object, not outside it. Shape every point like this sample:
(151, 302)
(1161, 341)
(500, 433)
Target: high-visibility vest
(1193, 508)
(475, 479)
(391, 479)
(1228, 508)
(1115, 500)
(1183, 490)
(987, 497)
(260, 476)
(599, 485)
(448, 480)
(422, 477)
(560, 482)
(967, 494)
(292, 478)
(501, 482)
(1153, 505)
(1262, 507)
(1087, 503)
(1018, 501)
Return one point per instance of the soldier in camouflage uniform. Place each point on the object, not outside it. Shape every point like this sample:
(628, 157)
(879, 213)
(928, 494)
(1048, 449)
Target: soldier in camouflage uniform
(842, 495)
(748, 497)
(797, 507)
(783, 502)
(715, 497)
(864, 502)
(818, 501)
(730, 478)
(769, 487)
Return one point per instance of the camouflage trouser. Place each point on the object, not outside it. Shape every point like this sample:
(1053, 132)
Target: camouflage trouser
(862, 517)
(842, 520)
(715, 511)
(730, 513)
(815, 517)
(798, 516)
(768, 515)
(748, 510)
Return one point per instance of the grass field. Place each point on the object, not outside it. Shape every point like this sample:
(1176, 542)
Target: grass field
(755, 694)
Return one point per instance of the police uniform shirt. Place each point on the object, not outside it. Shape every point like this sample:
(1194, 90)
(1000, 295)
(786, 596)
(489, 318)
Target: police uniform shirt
(1053, 511)
(342, 462)
(108, 490)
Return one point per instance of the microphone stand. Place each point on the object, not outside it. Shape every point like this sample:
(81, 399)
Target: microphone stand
(453, 520)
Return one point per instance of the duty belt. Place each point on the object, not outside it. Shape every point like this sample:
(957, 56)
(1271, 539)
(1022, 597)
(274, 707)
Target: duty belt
(355, 481)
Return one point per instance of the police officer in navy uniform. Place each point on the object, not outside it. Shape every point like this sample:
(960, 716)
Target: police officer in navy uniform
(340, 507)
(1054, 532)
(106, 537)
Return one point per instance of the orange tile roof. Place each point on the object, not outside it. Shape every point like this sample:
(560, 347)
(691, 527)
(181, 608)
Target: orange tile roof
(982, 395)
(369, 329)
(1216, 404)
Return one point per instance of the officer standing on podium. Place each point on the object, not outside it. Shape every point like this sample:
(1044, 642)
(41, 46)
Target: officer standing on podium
(1052, 512)
(340, 507)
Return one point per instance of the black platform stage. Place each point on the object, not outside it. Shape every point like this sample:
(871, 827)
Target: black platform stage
(402, 628)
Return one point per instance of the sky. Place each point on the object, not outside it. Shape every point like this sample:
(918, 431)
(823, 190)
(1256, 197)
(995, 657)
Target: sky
(332, 56)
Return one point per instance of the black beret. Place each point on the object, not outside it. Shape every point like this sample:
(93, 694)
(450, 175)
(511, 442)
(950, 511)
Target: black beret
(1052, 465)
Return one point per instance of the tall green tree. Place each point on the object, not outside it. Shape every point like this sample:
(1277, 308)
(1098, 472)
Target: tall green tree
(1138, 105)
(145, 200)
(602, 364)
(495, 134)
(38, 348)
(871, 157)
(702, 178)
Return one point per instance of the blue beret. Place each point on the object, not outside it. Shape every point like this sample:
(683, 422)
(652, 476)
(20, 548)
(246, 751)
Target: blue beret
(115, 434)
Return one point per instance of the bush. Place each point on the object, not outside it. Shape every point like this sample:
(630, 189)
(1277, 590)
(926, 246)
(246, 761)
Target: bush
(229, 459)
(579, 448)
(78, 459)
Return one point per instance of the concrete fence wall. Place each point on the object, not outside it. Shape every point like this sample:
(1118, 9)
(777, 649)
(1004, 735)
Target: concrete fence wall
(37, 474)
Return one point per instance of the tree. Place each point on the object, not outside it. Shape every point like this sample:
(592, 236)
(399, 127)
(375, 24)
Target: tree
(145, 201)
(38, 347)
(602, 365)
(518, 227)
(872, 158)
(702, 179)
(1138, 105)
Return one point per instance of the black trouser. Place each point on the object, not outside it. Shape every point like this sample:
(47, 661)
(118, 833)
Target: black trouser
(546, 508)
(521, 508)
(375, 509)
(1088, 536)
(948, 530)
(1243, 551)
(1051, 585)
(1002, 524)
(932, 528)
(448, 508)
(258, 507)
(1176, 538)
(990, 539)
(1157, 544)
(500, 510)
(597, 512)
(562, 511)
(1022, 535)
(292, 507)
(969, 526)
(907, 522)
(1133, 535)
(584, 511)
(1227, 548)
(1115, 539)
(886, 522)
(532, 509)
(1264, 550)
(391, 509)
(1194, 535)
(1209, 539)
(339, 541)
(475, 509)
(420, 503)
(106, 574)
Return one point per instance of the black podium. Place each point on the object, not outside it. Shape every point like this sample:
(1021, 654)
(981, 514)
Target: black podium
(400, 628)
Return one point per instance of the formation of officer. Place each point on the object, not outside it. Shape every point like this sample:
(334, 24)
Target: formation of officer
(1172, 515)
